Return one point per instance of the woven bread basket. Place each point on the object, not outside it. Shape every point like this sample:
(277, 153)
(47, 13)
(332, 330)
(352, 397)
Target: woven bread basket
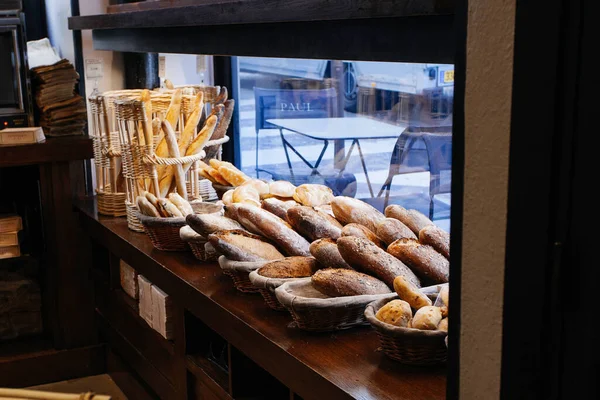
(266, 286)
(201, 248)
(407, 345)
(239, 272)
(315, 311)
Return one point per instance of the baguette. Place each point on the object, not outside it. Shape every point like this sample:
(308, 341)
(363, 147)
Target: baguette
(361, 231)
(437, 238)
(348, 210)
(191, 124)
(365, 256)
(411, 218)
(221, 130)
(313, 225)
(273, 228)
(147, 122)
(182, 204)
(410, 293)
(313, 195)
(290, 267)
(233, 213)
(174, 110)
(222, 95)
(327, 254)
(173, 170)
(278, 207)
(346, 282)
(205, 224)
(240, 245)
(396, 312)
(390, 230)
(169, 209)
(427, 263)
(146, 207)
(198, 143)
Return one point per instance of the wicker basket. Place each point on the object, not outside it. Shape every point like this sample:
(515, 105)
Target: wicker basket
(314, 311)
(407, 345)
(203, 251)
(239, 271)
(164, 232)
(266, 287)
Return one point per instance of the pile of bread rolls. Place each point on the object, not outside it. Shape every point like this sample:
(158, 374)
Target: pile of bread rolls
(173, 206)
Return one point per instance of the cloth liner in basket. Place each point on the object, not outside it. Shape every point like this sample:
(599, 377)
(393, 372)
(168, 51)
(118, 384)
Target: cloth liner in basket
(239, 271)
(266, 286)
(315, 311)
(201, 247)
(164, 232)
(407, 345)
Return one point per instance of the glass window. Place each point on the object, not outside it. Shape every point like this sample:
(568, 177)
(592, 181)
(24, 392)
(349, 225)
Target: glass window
(377, 131)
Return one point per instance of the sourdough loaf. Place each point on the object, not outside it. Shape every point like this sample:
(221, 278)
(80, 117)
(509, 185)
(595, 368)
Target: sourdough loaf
(411, 218)
(391, 229)
(437, 238)
(290, 267)
(361, 231)
(427, 263)
(365, 256)
(205, 224)
(348, 210)
(278, 207)
(238, 245)
(327, 254)
(346, 282)
(312, 224)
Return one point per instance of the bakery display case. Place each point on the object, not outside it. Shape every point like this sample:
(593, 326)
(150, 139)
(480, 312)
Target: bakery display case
(322, 225)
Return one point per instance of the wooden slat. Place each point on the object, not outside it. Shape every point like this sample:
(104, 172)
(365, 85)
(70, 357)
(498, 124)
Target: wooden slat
(52, 150)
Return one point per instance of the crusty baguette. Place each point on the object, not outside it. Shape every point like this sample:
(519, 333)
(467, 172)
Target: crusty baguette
(427, 263)
(327, 254)
(198, 143)
(273, 228)
(238, 245)
(278, 207)
(290, 267)
(437, 238)
(411, 218)
(365, 256)
(348, 209)
(232, 212)
(312, 195)
(174, 171)
(410, 293)
(362, 231)
(346, 282)
(391, 229)
(205, 224)
(311, 224)
(174, 109)
(147, 122)
(191, 124)
(221, 130)
(233, 176)
(182, 204)
(146, 207)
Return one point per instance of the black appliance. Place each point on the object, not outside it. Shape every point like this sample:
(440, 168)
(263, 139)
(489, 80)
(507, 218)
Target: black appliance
(15, 89)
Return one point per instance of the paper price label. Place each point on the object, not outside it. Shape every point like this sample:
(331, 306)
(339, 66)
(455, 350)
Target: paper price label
(94, 68)
(162, 66)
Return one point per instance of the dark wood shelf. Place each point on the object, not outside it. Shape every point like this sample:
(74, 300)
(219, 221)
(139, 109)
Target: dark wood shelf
(68, 148)
(346, 364)
(404, 30)
(209, 375)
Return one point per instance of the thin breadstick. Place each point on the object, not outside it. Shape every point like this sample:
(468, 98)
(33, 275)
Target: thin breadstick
(177, 169)
(192, 123)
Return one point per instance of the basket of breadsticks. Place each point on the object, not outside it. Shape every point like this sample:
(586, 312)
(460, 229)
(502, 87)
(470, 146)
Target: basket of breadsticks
(160, 155)
(163, 218)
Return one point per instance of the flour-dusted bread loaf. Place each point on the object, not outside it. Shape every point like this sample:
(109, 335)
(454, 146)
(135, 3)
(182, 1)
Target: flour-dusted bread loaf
(347, 282)
(427, 263)
(411, 218)
(327, 254)
(278, 207)
(348, 210)
(312, 195)
(274, 228)
(410, 293)
(437, 238)
(391, 229)
(205, 224)
(290, 267)
(365, 256)
(312, 224)
(238, 245)
(396, 312)
(362, 231)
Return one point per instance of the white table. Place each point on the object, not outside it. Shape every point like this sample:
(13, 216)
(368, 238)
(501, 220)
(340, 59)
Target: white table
(338, 130)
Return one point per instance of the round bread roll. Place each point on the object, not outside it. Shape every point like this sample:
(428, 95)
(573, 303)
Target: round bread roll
(391, 229)
(261, 187)
(445, 295)
(246, 195)
(312, 195)
(410, 293)
(346, 282)
(427, 318)
(281, 189)
(327, 254)
(443, 325)
(361, 231)
(396, 312)
(228, 197)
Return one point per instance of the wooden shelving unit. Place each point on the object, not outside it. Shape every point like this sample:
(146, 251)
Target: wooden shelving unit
(340, 365)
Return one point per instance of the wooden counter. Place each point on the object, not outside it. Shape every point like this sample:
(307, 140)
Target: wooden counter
(345, 364)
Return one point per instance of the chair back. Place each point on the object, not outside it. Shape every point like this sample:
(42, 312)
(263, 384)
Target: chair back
(296, 103)
(439, 149)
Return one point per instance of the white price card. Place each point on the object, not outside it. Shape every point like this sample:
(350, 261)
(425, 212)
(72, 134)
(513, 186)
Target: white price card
(94, 68)
(162, 66)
